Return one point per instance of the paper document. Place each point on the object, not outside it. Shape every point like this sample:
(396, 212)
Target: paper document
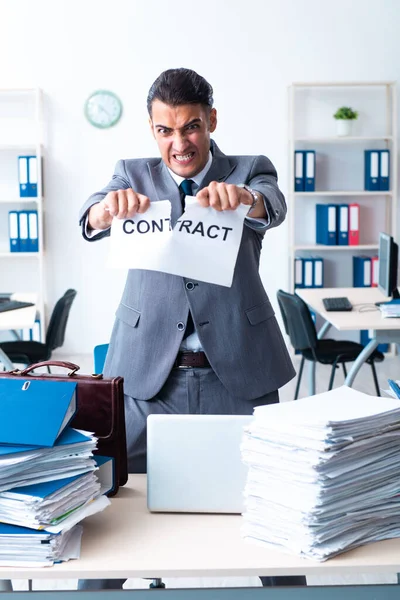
(203, 245)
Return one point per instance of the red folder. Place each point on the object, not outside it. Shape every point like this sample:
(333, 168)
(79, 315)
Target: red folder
(374, 271)
(354, 224)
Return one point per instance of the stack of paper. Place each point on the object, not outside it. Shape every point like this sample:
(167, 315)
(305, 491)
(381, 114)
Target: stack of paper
(323, 473)
(390, 309)
(20, 546)
(49, 479)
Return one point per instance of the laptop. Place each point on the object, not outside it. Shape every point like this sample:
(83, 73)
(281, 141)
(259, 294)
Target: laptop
(194, 463)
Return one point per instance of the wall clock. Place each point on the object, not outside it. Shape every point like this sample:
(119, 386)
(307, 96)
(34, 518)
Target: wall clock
(103, 109)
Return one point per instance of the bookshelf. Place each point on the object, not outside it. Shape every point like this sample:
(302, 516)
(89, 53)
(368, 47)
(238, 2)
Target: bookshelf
(339, 170)
(21, 133)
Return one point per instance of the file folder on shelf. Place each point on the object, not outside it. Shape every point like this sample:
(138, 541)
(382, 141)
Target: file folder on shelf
(384, 171)
(374, 271)
(361, 271)
(33, 239)
(35, 412)
(309, 171)
(326, 232)
(308, 273)
(298, 272)
(318, 272)
(27, 175)
(371, 158)
(343, 224)
(23, 231)
(354, 224)
(13, 230)
(299, 171)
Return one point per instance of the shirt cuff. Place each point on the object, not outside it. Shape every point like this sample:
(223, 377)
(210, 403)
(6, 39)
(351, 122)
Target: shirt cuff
(89, 232)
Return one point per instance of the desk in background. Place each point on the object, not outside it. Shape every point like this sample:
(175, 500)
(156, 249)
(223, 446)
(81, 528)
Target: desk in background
(17, 319)
(128, 541)
(382, 330)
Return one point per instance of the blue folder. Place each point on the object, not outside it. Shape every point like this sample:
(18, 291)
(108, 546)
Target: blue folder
(68, 437)
(365, 338)
(318, 271)
(384, 170)
(13, 230)
(343, 224)
(371, 170)
(326, 224)
(361, 271)
(309, 171)
(33, 234)
(33, 412)
(299, 171)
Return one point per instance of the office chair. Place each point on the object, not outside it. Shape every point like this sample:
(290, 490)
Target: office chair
(303, 336)
(29, 352)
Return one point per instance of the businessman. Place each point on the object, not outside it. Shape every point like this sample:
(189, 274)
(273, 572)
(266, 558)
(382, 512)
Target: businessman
(185, 346)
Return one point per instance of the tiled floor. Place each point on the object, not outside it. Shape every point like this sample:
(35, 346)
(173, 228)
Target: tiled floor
(389, 368)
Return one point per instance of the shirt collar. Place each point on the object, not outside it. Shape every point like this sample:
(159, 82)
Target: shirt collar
(196, 178)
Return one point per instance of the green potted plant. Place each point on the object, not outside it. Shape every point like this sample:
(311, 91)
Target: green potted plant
(344, 118)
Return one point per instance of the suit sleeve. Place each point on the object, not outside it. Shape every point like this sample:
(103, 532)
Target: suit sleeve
(263, 178)
(119, 181)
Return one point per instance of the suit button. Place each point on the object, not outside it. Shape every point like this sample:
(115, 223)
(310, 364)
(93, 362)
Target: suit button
(180, 326)
(190, 285)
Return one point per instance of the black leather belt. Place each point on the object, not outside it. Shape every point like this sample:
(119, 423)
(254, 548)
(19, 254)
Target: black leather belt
(191, 359)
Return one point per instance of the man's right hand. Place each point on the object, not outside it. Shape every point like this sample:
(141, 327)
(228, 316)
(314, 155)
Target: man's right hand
(121, 204)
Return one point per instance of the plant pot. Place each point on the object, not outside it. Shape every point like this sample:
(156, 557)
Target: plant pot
(343, 127)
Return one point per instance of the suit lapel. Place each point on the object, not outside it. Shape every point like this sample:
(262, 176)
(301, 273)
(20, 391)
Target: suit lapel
(220, 169)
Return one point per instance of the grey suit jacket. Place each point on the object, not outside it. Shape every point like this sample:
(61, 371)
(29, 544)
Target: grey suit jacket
(236, 325)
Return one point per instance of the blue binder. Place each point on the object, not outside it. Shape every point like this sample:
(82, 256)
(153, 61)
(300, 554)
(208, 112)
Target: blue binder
(371, 170)
(23, 229)
(105, 473)
(384, 171)
(361, 271)
(13, 230)
(308, 273)
(326, 224)
(309, 171)
(69, 437)
(35, 412)
(298, 274)
(318, 272)
(33, 237)
(27, 176)
(343, 224)
(365, 338)
(32, 176)
(299, 171)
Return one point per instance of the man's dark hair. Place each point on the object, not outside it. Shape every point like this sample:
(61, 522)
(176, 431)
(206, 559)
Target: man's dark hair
(180, 86)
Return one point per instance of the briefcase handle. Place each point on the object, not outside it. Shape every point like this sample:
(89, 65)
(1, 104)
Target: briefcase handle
(48, 363)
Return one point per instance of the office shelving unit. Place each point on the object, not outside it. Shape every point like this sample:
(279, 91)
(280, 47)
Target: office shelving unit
(340, 168)
(21, 133)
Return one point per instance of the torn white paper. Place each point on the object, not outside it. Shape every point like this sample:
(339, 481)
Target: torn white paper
(203, 245)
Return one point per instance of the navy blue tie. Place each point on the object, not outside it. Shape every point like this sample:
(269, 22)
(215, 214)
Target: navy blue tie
(186, 190)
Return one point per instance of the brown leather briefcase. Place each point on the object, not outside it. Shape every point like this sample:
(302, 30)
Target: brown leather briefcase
(100, 409)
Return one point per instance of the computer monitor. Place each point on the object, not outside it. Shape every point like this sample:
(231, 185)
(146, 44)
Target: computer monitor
(388, 266)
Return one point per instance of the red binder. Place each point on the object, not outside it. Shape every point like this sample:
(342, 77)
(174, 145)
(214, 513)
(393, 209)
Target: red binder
(354, 224)
(374, 271)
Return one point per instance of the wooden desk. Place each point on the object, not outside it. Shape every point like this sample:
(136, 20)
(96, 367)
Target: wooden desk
(363, 316)
(128, 541)
(17, 319)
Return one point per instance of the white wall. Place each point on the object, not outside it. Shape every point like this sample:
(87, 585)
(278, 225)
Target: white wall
(249, 50)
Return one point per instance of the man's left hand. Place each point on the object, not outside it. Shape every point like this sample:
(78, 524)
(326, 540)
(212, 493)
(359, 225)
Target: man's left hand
(223, 196)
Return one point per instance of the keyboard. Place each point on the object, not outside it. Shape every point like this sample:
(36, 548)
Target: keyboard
(341, 303)
(6, 305)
